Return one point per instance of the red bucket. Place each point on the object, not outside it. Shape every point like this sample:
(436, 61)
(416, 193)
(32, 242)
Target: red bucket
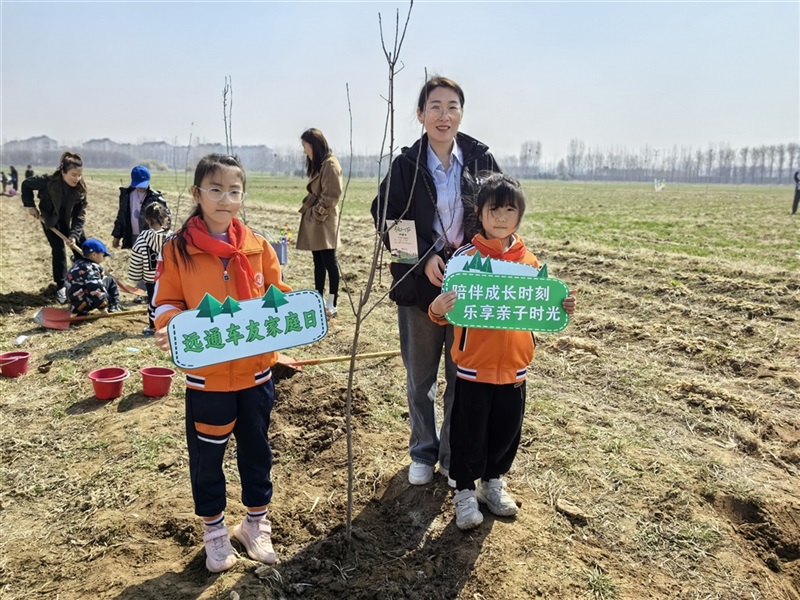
(14, 364)
(156, 381)
(108, 382)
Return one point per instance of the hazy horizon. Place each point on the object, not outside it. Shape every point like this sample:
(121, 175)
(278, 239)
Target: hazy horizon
(611, 74)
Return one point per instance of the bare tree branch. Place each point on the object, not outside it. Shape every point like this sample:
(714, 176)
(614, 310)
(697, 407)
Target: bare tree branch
(391, 59)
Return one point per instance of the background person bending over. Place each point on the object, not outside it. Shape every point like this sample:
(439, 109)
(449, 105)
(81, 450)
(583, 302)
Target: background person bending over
(62, 205)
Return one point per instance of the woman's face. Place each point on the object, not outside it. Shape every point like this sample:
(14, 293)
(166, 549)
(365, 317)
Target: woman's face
(219, 214)
(442, 116)
(308, 150)
(73, 176)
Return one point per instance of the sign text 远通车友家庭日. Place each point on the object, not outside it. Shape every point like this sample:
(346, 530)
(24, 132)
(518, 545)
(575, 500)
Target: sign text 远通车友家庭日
(217, 332)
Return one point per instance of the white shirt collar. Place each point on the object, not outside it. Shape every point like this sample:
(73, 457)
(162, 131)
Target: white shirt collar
(456, 155)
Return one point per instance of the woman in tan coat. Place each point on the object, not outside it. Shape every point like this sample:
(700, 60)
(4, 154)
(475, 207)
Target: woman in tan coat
(319, 224)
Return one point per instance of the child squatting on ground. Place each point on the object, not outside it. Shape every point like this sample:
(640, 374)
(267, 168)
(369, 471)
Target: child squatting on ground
(214, 252)
(88, 287)
(489, 404)
(145, 252)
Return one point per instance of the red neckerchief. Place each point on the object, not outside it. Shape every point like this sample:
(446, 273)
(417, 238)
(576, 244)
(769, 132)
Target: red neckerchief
(494, 248)
(197, 235)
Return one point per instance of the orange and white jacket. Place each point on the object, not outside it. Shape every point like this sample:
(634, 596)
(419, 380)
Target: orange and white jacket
(496, 356)
(181, 287)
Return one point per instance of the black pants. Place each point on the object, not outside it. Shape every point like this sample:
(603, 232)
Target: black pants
(59, 251)
(211, 418)
(151, 309)
(325, 262)
(796, 202)
(485, 429)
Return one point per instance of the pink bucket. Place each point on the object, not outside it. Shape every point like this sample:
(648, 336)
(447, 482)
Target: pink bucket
(108, 382)
(14, 364)
(156, 381)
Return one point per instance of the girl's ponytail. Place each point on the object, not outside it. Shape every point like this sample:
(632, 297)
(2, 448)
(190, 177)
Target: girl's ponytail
(181, 244)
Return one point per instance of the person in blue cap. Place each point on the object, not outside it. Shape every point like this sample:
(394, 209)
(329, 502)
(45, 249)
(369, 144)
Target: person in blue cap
(88, 287)
(133, 200)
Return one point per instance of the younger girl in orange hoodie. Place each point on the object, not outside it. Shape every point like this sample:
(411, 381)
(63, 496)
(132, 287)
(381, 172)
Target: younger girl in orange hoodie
(489, 405)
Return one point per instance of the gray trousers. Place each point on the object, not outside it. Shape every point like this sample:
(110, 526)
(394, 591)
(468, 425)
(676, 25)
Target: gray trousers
(421, 344)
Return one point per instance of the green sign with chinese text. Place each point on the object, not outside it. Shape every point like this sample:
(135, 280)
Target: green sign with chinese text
(217, 332)
(489, 300)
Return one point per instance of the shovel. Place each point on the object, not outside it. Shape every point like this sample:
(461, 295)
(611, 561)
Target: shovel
(122, 285)
(60, 318)
(287, 366)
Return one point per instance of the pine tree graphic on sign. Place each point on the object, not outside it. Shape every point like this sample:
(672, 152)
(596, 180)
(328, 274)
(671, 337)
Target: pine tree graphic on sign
(230, 306)
(209, 307)
(476, 264)
(274, 298)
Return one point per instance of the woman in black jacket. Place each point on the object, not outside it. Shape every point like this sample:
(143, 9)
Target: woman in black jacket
(62, 205)
(133, 201)
(432, 184)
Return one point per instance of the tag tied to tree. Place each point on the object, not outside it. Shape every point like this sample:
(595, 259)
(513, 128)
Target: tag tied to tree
(217, 332)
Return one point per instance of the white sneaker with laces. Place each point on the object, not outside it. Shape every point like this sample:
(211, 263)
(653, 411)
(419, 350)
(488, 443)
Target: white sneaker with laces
(255, 537)
(220, 555)
(468, 515)
(494, 495)
(61, 295)
(419, 473)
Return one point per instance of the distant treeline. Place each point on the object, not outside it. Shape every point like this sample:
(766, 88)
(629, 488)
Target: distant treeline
(717, 163)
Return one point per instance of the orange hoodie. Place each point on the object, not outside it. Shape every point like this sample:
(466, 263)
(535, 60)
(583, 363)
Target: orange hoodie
(497, 356)
(181, 287)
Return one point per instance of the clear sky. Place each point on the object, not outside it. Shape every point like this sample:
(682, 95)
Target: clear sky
(612, 74)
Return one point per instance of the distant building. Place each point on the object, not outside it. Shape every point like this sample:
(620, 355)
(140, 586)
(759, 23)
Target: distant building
(102, 145)
(41, 150)
(106, 153)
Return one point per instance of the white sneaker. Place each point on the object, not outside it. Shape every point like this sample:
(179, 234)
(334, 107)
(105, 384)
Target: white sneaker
(220, 555)
(494, 495)
(468, 515)
(331, 312)
(446, 474)
(255, 537)
(61, 295)
(419, 473)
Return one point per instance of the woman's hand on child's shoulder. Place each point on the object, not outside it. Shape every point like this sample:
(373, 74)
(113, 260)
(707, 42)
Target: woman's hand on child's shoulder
(569, 303)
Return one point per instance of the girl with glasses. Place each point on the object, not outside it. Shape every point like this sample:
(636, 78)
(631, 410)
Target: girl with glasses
(430, 184)
(215, 253)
